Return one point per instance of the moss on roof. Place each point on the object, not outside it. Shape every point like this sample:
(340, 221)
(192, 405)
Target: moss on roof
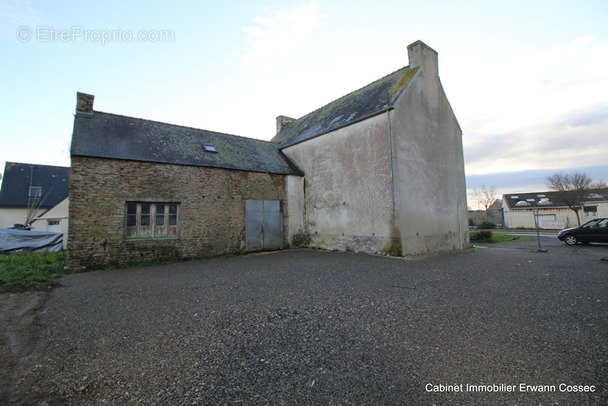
(105, 135)
(368, 101)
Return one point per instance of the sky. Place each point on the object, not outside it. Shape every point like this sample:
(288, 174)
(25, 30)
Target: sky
(528, 81)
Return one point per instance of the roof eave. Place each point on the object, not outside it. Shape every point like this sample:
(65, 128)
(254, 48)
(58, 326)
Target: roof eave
(296, 171)
(384, 110)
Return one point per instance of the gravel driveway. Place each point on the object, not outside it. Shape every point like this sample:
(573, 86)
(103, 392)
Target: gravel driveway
(310, 327)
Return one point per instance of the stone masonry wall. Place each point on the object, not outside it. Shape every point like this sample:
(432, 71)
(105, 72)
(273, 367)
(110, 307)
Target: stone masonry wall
(211, 209)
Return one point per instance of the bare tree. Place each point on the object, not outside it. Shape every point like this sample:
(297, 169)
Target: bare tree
(485, 196)
(573, 189)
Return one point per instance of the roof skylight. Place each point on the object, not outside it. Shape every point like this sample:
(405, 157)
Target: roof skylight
(209, 148)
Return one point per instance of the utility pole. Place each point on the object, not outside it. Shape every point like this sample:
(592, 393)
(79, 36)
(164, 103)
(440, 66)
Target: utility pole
(535, 212)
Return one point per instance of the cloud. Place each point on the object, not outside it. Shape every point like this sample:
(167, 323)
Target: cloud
(276, 64)
(276, 35)
(545, 112)
(15, 13)
(572, 142)
(588, 117)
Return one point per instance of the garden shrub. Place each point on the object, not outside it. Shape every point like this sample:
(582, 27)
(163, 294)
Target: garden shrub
(481, 236)
(487, 225)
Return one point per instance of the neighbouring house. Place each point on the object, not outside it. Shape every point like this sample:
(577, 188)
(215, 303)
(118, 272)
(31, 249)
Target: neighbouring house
(378, 170)
(56, 219)
(29, 191)
(493, 214)
(141, 190)
(521, 210)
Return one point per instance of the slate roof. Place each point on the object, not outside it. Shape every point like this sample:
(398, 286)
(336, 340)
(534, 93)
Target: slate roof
(14, 192)
(546, 200)
(105, 135)
(366, 102)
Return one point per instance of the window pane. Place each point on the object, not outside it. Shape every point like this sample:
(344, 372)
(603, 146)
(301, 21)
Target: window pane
(35, 191)
(145, 214)
(160, 214)
(131, 208)
(131, 220)
(131, 214)
(173, 214)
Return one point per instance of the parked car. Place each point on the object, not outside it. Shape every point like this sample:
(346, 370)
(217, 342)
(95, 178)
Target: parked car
(592, 231)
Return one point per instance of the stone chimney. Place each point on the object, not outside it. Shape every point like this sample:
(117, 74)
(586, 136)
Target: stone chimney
(283, 121)
(420, 54)
(84, 104)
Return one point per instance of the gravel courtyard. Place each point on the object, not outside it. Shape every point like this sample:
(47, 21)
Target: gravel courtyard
(306, 327)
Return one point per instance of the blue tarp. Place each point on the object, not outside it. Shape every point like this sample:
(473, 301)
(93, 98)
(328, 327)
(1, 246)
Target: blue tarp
(29, 241)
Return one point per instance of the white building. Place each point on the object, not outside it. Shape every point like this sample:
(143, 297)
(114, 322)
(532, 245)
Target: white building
(521, 209)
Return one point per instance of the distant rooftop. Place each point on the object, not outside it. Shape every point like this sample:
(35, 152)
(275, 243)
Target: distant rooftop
(49, 185)
(547, 199)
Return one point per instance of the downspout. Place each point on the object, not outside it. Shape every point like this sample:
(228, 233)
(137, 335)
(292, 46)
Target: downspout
(390, 159)
(460, 226)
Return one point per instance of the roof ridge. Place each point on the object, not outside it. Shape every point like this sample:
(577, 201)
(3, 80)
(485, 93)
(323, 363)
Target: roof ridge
(32, 164)
(528, 193)
(532, 193)
(355, 91)
(553, 192)
(184, 126)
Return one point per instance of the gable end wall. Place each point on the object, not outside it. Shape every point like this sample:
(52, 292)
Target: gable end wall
(429, 169)
(346, 193)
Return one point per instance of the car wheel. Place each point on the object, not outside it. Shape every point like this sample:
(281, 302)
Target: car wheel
(570, 240)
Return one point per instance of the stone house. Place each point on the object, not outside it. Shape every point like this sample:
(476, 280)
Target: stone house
(378, 170)
(56, 220)
(142, 190)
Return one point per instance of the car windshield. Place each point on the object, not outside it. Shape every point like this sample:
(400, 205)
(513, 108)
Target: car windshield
(596, 223)
(591, 224)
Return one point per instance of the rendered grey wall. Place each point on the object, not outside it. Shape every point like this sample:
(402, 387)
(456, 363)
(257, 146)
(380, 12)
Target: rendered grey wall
(429, 163)
(347, 190)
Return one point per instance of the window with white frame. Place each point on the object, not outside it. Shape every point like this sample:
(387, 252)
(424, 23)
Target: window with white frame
(35, 192)
(145, 220)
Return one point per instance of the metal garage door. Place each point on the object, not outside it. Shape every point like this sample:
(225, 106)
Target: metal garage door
(264, 227)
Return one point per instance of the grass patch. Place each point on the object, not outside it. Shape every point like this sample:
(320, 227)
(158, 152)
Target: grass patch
(489, 237)
(507, 238)
(27, 271)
